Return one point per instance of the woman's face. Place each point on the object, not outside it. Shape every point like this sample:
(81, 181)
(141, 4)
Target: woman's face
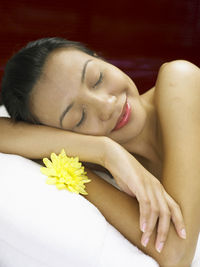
(80, 93)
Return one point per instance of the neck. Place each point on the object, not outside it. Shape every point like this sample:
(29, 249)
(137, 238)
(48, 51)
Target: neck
(146, 145)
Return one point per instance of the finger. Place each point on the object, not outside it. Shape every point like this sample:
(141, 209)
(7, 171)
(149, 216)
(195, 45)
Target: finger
(144, 207)
(176, 215)
(164, 221)
(154, 213)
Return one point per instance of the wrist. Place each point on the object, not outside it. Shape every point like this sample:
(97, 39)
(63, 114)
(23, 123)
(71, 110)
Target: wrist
(97, 150)
(111, 150)
(106, 149)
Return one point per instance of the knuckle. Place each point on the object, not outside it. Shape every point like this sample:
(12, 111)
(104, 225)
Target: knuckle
(155, 210)
(177, 220)
(165, 213)
(150, 228)
(162, 234)
(148, 232)
(177, 216)
(146, 202)
(177, 208)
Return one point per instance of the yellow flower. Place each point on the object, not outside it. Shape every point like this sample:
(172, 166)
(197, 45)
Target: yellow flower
(65, 173)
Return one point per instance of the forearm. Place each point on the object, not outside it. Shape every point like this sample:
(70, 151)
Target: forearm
(183, 185)
(38, 141)
(122, 211)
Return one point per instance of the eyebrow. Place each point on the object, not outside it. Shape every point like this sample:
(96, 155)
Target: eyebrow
(84, 70)
(71, 105)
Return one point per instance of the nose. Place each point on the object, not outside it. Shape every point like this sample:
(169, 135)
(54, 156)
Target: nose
(106, 107)
(102, 104)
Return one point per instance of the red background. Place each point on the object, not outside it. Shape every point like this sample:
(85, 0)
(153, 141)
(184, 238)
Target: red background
(137, 36)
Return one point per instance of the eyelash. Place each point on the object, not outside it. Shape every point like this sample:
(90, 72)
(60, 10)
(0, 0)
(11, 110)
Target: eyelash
(82, 119)
(97, 83)
(99, 80)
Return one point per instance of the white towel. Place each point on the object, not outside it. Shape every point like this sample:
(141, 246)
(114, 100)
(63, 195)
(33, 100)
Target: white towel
(42, 226)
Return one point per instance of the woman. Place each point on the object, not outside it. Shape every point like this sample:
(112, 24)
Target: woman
(149, 143)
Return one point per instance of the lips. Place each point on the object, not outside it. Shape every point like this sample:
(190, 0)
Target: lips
(124, 117)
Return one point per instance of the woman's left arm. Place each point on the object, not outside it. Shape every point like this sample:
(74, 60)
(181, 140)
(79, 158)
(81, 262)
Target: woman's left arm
(177, 99)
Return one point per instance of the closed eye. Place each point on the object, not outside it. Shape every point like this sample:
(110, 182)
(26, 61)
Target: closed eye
(99, 80)
(82, 119)
(83, 114)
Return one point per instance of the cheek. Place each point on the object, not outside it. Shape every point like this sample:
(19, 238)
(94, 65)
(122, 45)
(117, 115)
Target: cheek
(92, 126)
(117, 81)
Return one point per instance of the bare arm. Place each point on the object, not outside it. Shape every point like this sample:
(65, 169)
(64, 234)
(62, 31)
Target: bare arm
(122, 211)
(178, 98)
(38, 141)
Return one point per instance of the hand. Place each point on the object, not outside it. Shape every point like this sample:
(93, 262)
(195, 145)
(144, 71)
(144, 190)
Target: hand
(154, 202)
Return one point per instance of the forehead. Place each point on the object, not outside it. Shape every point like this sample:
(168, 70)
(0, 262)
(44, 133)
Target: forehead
(65, 62)
(59, 83)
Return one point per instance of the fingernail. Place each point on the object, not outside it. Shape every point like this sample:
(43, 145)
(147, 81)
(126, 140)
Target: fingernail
(145, 242)
(160, 246)
(183, 233)
(144, 227)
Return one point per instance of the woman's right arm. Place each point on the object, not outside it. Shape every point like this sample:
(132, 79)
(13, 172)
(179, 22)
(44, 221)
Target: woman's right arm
(39, 141)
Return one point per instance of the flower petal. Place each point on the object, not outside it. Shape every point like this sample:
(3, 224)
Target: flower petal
(60, 186)
(65, 172)
(47, 163)
(48, 172)
(51, 180)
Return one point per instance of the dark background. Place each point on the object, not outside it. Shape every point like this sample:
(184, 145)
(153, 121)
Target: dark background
(136, 36)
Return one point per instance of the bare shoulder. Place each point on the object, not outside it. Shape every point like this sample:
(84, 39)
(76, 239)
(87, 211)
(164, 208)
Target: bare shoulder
(177, 71)
(179, 65)
(177, 99)
(178, 81)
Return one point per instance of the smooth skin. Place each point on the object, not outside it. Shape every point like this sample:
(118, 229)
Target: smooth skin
(153, 135)
(178, 80)
(179, 112)
(98, 90)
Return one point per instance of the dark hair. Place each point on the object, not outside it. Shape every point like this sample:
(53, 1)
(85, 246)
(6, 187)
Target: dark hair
(24, 69)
